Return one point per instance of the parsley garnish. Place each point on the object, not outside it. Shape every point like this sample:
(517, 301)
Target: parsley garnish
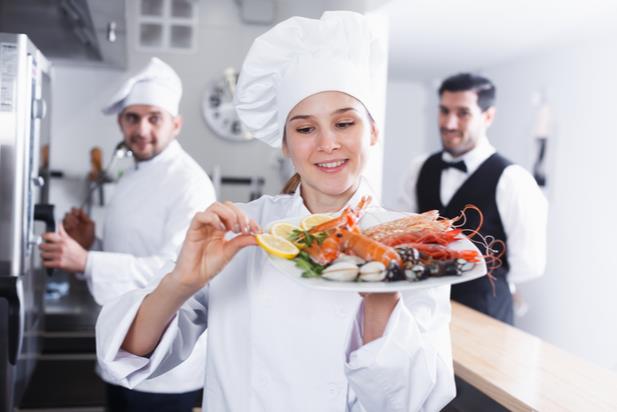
(309, 268)
(305, 239)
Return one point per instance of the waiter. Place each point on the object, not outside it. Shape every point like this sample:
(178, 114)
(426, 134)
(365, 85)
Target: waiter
(469, 170)
(145, 223)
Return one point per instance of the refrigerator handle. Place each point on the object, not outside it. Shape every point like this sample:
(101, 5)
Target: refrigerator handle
(9, 292)
(45, 213)
(14, 329)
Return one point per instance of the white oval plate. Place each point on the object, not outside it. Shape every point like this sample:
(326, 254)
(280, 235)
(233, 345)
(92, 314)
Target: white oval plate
(288, 267)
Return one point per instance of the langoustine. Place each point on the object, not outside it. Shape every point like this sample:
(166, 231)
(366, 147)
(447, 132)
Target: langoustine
(344, 236)
(427, 227)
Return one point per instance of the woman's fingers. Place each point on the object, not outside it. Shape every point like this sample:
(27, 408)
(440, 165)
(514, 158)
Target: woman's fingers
(206, 250)
(242, 220)
(229, 216)
(226, 217)
(247, 225)
(254, 227)
(233, 218)
(234, 245)
(207, 218)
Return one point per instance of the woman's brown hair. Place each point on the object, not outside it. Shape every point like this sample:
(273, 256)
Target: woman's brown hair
(291, 185)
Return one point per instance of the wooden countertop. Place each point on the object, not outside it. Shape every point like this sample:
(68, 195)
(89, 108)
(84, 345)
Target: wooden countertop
(523, 373)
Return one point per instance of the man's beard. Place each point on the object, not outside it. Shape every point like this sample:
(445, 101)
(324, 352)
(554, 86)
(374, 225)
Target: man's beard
(457, 149)
(139, 155)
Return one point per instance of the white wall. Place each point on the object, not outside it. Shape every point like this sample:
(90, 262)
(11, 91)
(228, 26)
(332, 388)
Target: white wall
(574, 304)
(405, 134)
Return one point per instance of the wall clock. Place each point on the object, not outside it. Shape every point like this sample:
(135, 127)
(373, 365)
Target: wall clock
(218, 110)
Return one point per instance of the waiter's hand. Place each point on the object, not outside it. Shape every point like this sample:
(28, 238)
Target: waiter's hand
(60, 251)
(205, 251)
(80, 227)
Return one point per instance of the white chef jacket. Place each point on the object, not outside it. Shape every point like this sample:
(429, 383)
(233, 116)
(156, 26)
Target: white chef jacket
(522, 207)
(145, 224)
(275, 345)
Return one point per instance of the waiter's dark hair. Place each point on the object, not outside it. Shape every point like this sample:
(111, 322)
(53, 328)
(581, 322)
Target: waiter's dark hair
(481, 86)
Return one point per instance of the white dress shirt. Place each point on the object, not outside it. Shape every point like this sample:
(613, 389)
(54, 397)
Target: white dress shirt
(145, 224)
(521, 204)
(275, 345)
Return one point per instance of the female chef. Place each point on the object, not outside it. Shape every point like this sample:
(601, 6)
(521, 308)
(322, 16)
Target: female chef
(275, 345)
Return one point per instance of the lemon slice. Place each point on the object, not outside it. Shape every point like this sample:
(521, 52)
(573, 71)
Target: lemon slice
(314, 220)
(283, 230)
(277, 246)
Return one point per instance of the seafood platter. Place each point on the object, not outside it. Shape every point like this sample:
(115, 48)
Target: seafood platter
(373, 250)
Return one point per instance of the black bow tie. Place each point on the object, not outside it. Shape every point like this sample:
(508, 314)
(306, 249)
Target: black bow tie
(460, 165)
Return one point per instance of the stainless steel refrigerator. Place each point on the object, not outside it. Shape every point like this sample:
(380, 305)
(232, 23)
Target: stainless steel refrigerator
(24, 192)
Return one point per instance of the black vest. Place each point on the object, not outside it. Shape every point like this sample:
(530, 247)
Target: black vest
(480, 190)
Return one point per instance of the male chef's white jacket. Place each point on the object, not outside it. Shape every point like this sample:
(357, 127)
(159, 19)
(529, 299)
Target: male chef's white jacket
(144, 227)
(275, 345)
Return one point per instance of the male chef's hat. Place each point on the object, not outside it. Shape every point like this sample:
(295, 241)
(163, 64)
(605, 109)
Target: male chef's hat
(300, 57)
(157, 84)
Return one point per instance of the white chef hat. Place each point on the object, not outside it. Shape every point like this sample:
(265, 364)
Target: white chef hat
(157, 84)
(300, 57)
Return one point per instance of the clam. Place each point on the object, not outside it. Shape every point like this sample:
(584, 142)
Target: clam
(373, 272)
(343, 271)
(350, 258)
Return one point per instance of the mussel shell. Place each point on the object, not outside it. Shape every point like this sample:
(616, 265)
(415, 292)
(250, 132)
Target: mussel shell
(437, 268)
(464, 266)
(415, 272)
(450, 268)
(394, 272)
(408, 254)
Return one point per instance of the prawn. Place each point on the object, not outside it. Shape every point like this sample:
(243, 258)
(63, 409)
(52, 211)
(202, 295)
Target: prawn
(349, 217)
(441, 252)
(328, 249)
(432, 227)
(355, 243)
(424, 236)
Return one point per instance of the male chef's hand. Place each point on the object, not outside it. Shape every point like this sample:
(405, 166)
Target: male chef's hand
(60, 251)
(80, 227)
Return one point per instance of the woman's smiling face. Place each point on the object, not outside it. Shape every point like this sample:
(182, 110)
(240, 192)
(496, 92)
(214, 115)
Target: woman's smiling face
(327, 136)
